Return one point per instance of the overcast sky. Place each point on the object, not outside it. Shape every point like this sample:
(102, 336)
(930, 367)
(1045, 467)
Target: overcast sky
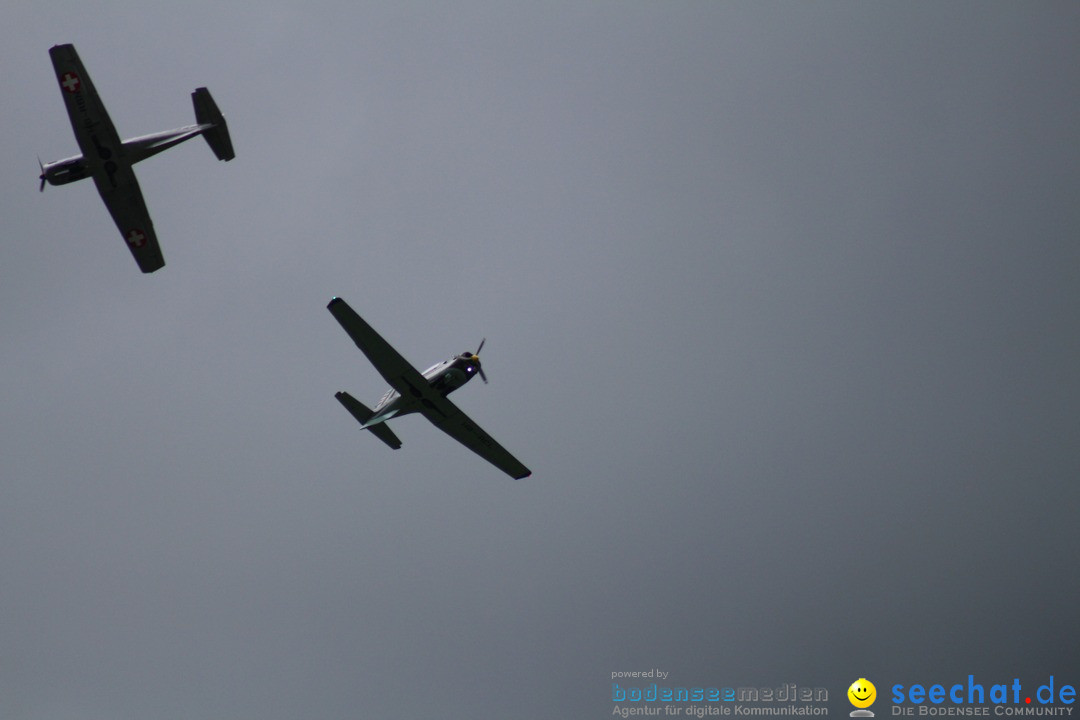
(781, 304)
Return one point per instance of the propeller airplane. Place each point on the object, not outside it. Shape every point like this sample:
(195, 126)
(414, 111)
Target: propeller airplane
(412, 391)
(109, 161)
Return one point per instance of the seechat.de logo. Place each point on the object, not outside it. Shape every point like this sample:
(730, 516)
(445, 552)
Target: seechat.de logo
(862, 695)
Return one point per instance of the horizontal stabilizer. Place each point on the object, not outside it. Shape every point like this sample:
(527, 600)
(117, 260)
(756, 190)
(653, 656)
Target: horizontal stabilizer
(207, 113)
(362, 415)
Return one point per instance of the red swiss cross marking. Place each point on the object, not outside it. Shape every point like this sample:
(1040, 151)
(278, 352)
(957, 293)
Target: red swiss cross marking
(71, 82)
(136, 238)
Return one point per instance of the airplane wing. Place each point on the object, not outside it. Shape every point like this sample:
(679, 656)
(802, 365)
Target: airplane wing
(408, 381)
(395, 369)
(120, 191)
(94, 130)
(449, 418)
(99, 143)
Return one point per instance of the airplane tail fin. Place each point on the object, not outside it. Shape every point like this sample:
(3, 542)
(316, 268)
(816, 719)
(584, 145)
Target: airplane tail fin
(207, 113)
(362, 415)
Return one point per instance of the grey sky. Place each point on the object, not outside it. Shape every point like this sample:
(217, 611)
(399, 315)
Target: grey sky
(781, 304)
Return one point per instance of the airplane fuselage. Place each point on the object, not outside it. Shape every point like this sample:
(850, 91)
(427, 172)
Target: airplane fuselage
(444, 378)
(108, 159)
(67, 170)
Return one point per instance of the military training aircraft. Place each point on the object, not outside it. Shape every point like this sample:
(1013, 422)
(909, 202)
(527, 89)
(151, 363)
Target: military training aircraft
(412, 391)
(109, 161)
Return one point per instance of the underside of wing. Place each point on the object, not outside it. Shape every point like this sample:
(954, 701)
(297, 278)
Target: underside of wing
(120, 191)
(94, 130)
(446, 416)
(395, 369)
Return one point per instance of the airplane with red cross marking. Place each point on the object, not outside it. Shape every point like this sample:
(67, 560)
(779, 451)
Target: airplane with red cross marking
(109, 161)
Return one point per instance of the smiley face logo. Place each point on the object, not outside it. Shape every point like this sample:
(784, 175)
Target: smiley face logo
(862, 693)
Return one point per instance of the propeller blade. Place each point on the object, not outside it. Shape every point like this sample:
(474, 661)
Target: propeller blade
(42, 176)
(478, 366)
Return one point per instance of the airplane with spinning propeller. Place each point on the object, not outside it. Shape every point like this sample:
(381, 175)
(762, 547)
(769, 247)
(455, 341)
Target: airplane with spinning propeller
(424, 392)
(109, 161)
